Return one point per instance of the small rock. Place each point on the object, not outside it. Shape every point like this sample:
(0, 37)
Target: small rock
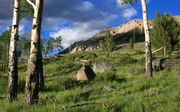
(87, 91)
(108, 88)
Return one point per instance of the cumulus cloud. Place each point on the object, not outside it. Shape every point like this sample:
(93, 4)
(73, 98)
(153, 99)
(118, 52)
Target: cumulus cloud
(81, 31)
(21, 29)
(119, 4)
(72, 19)
(130, 12)
(85, 6)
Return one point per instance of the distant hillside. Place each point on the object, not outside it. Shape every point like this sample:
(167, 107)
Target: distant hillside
(126, 27)
(177, 18)
(121, 34)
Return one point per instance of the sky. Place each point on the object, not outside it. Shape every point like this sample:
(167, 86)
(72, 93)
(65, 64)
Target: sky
(76, 20)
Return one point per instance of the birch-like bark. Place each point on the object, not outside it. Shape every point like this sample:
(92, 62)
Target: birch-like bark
(35, 58)
(13, 60)
(147, 40)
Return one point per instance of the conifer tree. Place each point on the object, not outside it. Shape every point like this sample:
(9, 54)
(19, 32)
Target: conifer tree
(131, 43)
(165, 32)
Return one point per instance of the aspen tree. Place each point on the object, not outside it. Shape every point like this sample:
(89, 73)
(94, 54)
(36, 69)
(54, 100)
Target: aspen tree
(13, 60)
(35, 65)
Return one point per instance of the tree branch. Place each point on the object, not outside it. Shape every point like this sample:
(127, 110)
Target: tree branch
(79, 105)
(31, 3)
(2, 97)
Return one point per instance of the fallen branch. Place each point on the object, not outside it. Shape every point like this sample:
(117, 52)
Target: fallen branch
(50, 99)
(2, 97)
(79, 105)
(51, 75)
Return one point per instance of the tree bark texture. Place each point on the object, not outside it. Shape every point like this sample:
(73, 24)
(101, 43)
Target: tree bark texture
(148, 52)
(35, 58)
(41, 74)
(13, 60)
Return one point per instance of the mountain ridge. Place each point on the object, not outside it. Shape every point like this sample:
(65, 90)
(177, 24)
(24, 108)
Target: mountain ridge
(119, 33)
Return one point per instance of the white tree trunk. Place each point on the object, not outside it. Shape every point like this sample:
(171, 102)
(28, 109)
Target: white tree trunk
(147, 40)
(13, 59)
(35, 59)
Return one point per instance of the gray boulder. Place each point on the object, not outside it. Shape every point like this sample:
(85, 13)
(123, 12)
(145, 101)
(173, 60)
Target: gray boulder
(165, 63)
(102, 66)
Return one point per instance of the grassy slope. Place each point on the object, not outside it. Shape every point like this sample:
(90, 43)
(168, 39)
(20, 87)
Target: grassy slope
(135, 92)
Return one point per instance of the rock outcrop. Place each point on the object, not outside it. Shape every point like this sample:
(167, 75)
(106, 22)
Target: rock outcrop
(84, 48)
(165, 63)
(85, 74)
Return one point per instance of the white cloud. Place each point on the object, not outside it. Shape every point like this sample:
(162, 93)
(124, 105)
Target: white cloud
(128, 10)
(128, 13)
(119, 3)
(85, 6)
(81, 30)
(54, 23)
(21, 29)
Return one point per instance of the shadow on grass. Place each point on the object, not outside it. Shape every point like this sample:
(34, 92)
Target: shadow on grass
(120, 80)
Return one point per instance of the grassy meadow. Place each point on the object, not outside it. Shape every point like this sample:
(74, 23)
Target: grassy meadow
(133, 91)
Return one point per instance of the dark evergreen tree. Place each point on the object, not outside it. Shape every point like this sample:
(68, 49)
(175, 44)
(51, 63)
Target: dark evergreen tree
(165, 33)
(131, 43)
(108, 44)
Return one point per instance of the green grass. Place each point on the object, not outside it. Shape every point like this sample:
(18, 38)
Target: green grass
(134, 92)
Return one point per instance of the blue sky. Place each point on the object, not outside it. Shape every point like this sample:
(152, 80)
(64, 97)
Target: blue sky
(76, 20)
